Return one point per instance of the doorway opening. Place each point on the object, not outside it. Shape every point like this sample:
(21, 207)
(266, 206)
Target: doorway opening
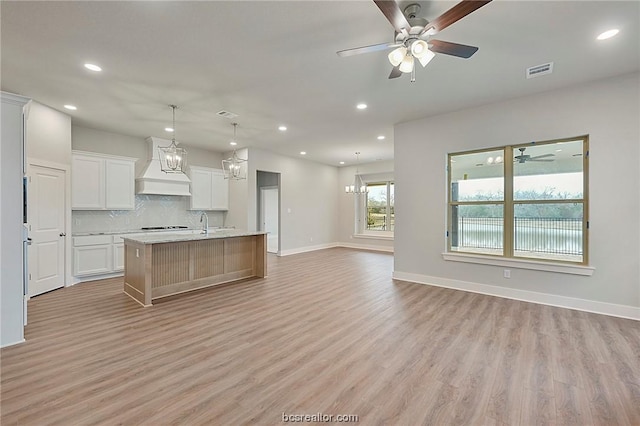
(268, 191)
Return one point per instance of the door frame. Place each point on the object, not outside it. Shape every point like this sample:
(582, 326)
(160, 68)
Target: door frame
(66, 168)
(262, 212)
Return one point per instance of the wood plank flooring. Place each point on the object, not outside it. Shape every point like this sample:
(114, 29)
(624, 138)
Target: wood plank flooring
(327, 332)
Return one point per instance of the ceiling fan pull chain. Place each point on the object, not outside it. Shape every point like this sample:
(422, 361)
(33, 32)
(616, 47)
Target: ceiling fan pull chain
(413, 75)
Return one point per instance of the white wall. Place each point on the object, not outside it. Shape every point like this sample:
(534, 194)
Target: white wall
(308, 199)
(346, 235)
(608, 111)
(93, 140)
(11, 173)
(48, 134)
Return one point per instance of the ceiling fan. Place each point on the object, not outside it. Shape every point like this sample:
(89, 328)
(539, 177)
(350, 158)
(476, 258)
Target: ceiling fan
(523, 158)
(412, 36)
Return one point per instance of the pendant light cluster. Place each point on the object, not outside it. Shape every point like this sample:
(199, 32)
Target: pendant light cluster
(359, 187)
(173, 159)
(234, 167)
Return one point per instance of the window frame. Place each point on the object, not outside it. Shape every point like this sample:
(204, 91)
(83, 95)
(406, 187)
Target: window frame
(365, 210)
(509, 203)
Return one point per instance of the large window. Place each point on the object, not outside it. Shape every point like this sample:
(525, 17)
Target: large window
(521, 201)
(379, 214)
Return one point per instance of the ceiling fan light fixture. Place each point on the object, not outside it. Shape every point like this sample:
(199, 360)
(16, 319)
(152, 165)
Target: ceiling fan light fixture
(426, 58)
(419, 48)
(406, 65)
(397, 55)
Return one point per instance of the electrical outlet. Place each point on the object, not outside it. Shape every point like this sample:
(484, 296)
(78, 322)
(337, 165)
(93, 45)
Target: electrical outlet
(507, 273)
(127, 221)
(311, 239)
(137, 252)
(76, 222)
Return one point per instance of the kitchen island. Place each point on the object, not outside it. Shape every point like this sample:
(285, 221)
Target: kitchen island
(165, 264)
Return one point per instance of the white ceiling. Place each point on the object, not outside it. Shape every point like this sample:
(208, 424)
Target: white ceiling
(274, 62)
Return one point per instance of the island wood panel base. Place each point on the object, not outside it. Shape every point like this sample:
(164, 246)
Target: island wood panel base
(164, 269)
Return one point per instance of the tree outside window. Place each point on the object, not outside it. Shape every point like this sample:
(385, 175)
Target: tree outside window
(379, 206)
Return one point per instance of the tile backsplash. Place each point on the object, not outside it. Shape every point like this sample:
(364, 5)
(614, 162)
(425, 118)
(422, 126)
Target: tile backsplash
(151, 210)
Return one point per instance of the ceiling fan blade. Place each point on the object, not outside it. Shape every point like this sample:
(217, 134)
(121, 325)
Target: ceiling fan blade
(456, 13)
(542, 156)
(534, 159)
(394, 15)
(453, 49)
(366, 49)
(395, 72)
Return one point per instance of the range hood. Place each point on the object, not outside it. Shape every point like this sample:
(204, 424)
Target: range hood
(153, 180)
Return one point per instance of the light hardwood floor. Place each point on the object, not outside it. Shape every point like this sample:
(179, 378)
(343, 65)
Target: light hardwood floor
(329, 332)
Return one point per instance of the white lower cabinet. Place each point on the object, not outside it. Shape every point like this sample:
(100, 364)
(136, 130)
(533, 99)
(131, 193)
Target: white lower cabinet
(97, 254)
(118, 257)
(92, 254)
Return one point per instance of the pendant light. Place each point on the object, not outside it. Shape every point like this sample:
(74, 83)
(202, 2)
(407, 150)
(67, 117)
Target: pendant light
(234, 167)
(173, 159)
(359, 187)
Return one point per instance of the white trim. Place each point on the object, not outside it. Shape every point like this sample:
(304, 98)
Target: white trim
(87, 278)
(13, 343)
(612, 309)
(306, 249)
(375, 237)
(520, 263)
(366, 247)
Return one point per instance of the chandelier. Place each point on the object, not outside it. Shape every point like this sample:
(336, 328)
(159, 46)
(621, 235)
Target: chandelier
(359, 187)
(234, 167)
(172, 158)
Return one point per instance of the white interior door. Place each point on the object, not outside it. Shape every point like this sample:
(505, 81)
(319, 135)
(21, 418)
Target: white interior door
(270, 212)
(46, 203)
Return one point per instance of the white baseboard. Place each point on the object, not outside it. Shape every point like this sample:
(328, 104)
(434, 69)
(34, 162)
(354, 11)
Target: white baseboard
(13, 343)
(611, 309)
(87, 278)
(307, 249)
(333, 245)
(366, 247)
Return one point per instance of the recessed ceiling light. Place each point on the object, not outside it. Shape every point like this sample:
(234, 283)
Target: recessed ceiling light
(381, 137)
(71, 107)
(558, 150)
(282, 128)
(168, 129)
(361, 106)
(303, 152)
(608, 34)
(342, 162)
(233, 143)
(93, 67)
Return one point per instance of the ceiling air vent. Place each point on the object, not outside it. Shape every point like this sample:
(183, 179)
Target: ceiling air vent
(539, 70)
(227, 114)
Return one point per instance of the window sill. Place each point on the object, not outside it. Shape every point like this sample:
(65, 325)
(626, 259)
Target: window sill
(388, 237)
(520, 264)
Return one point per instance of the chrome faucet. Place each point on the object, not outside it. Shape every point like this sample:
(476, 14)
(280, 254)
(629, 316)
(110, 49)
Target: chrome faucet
(205, 224)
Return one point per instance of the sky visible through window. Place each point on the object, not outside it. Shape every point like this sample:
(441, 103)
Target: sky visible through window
(559, 183)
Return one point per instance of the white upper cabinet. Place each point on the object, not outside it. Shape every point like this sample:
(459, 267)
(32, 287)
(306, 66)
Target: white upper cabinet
(102, 182)
(209, 189)
(119, 184)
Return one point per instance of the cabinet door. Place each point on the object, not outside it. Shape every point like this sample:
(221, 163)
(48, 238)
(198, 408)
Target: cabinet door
(200, 189)
(118, 257)
(87, 183)
(220, 191)
(88, 260)
(119, 187)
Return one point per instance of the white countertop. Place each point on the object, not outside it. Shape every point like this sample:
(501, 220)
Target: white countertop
(189, 235)
(143, 231)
